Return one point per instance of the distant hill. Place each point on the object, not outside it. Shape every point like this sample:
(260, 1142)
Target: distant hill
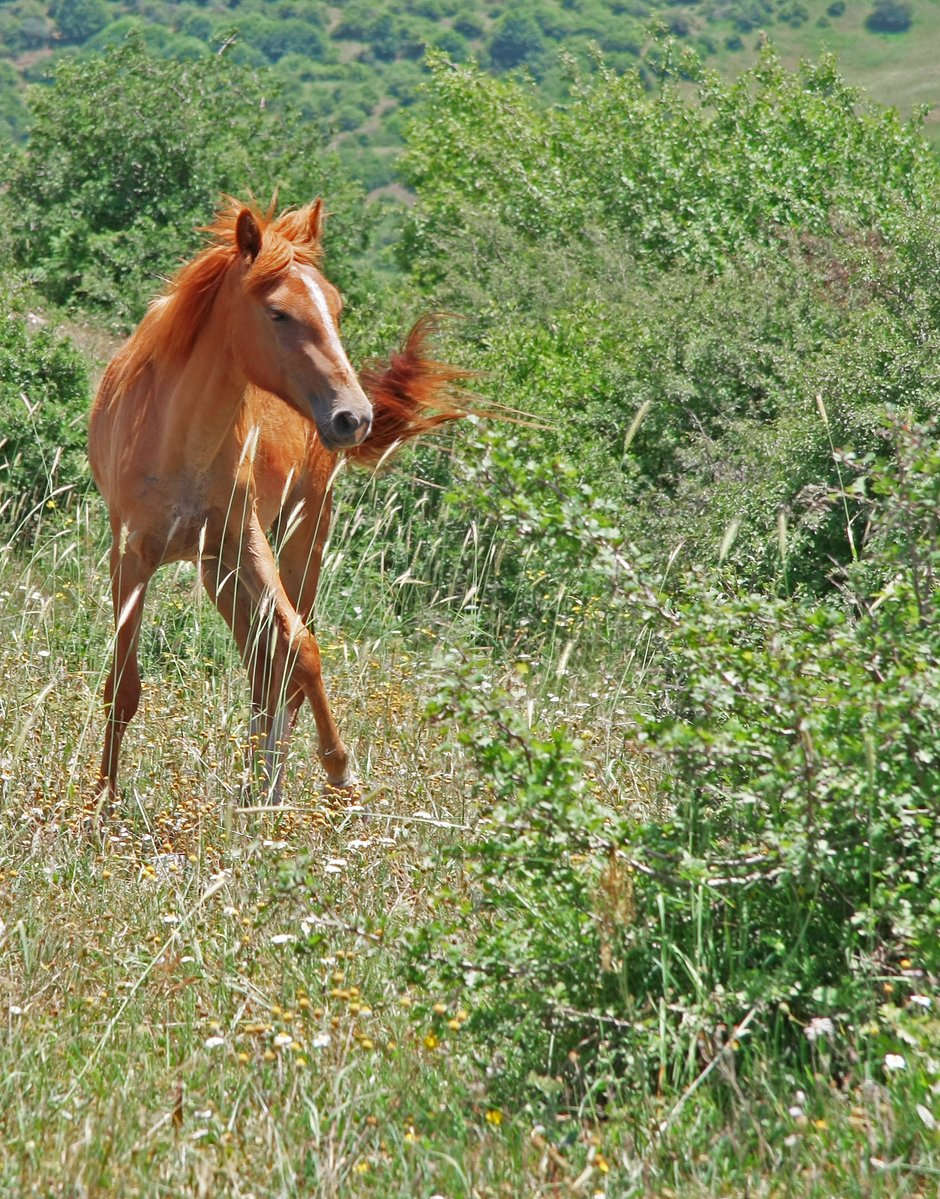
(354, 69)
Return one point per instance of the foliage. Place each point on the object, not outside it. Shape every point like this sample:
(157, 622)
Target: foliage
(528, 944)
(516, 41)
(44, 390)
(890, 16)
(78, 20)
(37, 34)
(790, 861)
(717, 352)
(12, 109)
(128, 156)
(692, 182)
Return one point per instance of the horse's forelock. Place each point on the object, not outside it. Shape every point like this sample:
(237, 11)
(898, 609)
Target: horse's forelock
(286, 241)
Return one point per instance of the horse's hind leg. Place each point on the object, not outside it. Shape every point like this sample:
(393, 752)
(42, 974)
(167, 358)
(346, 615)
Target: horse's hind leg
(129, 579)
(252, 633)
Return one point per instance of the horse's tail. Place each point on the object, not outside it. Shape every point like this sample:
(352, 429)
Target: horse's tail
(410, 395)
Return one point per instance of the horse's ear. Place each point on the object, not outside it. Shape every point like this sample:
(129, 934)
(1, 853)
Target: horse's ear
(315, 222)
(247, 235)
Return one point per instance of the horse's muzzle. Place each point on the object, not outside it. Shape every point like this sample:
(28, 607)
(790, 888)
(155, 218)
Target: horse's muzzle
(349, 427)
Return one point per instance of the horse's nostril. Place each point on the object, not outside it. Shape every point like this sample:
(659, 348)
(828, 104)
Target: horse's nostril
(349, 427)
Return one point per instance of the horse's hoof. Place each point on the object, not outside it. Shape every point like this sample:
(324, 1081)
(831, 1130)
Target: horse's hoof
(348, 787)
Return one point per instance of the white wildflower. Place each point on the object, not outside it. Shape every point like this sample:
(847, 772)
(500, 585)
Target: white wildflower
(819, 1026)
(894, 1061)
(214, 1042)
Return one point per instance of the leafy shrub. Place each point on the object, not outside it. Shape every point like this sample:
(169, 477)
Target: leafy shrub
(532, 955)
(516, 41)
(12, 109)
(890, 16)
(119, 172)
(793, 14)
(44, 393)
(275, 38)
(629, 305)
(78, 20)
(789, 861)
(799, 741)
(683, 180)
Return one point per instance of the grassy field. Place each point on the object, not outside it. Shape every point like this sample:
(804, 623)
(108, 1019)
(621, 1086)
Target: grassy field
(898, 69)
(203, 999)
(208, 1000)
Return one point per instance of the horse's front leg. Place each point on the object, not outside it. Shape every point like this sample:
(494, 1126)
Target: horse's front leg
(129, 579)
(277, 635)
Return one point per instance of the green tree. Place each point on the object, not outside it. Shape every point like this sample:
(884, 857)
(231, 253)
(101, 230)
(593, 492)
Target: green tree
(12, 108)
(890, 16)
(517, 41)
(78, 20)
(24, 25)
(129, 155)
(703, 264)
(683, 179)
(275, 38)
(43, 404)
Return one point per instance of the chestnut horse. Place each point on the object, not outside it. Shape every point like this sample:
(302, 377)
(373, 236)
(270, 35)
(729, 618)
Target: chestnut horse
(219, 422)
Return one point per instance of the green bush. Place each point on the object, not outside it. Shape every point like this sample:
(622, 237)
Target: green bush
(532, 956)
(684, 180)
(12, 110)
(78, 20)
(516, 41)
(275, 38)
(669, 288)
(129, 154)
(44, 394)
(786, 865)
(890, 16)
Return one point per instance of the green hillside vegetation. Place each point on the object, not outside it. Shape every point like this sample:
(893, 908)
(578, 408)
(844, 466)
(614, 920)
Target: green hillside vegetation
(353, 71)
(640, 897)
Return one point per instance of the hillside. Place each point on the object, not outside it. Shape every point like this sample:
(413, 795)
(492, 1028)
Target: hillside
(355, 69)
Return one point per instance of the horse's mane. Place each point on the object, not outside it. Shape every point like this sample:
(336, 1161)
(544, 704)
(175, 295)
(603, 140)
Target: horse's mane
(174, 319)
(410, 394)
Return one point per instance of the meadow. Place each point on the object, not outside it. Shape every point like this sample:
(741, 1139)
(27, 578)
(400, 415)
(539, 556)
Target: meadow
(639, 894)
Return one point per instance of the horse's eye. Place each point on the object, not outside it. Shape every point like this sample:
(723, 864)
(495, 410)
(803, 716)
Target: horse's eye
(277, 314)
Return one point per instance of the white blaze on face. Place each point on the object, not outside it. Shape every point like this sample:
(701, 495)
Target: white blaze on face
(329, 327)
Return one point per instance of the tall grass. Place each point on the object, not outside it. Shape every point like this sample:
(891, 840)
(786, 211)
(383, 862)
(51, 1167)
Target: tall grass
(167, 1034)
(211, 998)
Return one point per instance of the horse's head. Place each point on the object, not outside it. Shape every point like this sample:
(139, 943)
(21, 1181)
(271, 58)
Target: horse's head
(286, 327)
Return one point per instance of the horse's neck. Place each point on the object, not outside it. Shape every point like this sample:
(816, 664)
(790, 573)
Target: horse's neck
(201, 400)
